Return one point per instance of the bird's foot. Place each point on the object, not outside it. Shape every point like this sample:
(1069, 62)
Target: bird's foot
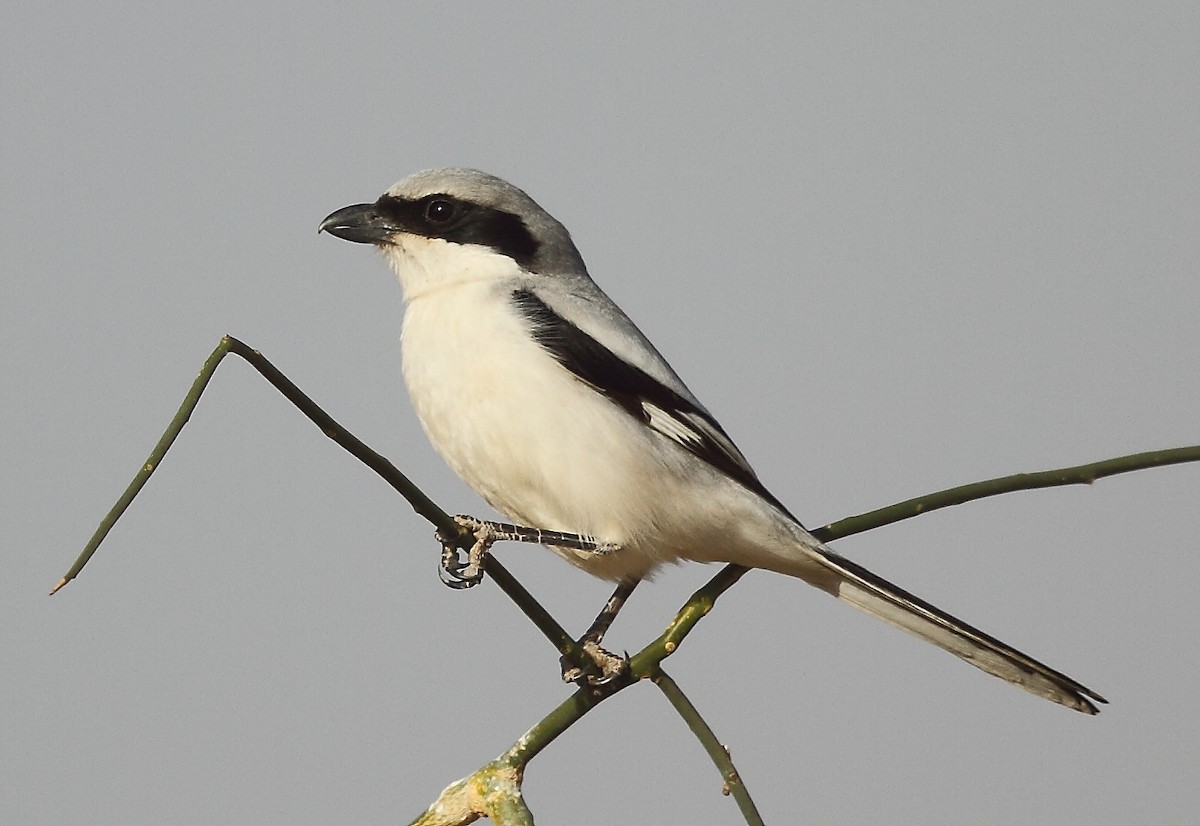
(602, 668)
(457, 573)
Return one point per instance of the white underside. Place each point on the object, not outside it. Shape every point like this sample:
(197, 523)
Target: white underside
(547, 451)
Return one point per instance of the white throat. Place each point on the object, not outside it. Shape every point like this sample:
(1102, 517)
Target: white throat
(424, 265)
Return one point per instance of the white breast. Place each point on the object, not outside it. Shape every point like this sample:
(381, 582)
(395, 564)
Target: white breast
(539, 445)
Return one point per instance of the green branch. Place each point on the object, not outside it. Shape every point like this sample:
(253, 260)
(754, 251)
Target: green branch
(732, 781)
(494, 790)
(1077, 475)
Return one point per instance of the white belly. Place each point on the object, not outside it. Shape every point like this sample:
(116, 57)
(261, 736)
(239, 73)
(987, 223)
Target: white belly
(546, 451)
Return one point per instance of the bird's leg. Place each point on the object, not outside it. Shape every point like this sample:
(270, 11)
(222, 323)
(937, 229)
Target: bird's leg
(611, 666)
(459, 574)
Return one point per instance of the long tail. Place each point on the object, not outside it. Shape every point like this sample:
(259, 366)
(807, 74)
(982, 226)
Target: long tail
(876, 596)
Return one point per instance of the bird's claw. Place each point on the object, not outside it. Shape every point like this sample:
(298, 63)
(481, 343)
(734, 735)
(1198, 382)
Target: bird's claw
(454, 571)
(457, 574)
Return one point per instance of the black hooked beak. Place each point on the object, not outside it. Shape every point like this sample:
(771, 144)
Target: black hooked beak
(361, 223)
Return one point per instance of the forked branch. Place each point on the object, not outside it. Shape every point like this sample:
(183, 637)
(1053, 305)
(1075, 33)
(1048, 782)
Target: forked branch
(494, 790)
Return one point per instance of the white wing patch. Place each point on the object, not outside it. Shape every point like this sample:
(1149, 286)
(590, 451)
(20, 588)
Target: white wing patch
(694, 433)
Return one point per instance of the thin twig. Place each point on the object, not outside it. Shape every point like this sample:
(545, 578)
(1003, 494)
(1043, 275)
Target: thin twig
(720, 756)
(1076, 475)
(421, 503)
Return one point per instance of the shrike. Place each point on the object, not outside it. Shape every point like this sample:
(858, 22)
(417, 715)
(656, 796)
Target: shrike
(547, 400)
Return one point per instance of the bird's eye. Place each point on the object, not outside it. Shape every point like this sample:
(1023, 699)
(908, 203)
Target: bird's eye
(439, 211)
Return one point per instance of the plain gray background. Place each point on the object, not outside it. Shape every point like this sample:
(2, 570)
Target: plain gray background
(894, 247)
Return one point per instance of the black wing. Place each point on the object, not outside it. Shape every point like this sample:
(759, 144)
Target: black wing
(637, 392)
